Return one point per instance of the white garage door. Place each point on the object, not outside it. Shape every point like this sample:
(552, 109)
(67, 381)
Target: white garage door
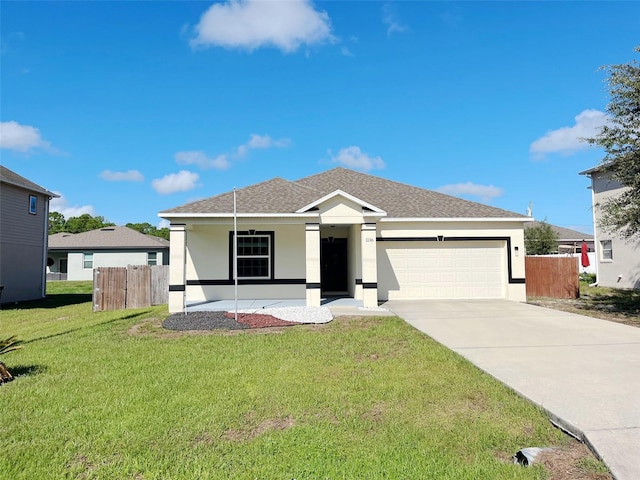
(425, 270)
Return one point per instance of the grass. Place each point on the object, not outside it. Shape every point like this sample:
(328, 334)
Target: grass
(356, 398)
(623, 302)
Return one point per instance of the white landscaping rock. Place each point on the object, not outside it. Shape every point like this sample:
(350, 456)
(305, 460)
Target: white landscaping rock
(295, 314)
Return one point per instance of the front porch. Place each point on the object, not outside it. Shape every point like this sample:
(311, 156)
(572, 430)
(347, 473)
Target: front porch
(259, 304)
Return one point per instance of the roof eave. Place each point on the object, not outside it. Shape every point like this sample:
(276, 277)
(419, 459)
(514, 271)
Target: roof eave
(41, 190)
(457, 219)
(239, 215)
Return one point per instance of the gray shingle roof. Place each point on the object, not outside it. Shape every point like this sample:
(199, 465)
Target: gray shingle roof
(108, 237)
(273, 196)
(12, 178)
(563, 233)
(397, 199)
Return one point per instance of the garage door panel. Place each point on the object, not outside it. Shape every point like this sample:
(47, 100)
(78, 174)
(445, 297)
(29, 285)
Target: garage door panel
(413, 270)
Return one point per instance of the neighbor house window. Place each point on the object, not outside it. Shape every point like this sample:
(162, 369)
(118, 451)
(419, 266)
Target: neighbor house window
(606, 249)
(33, 204)
(254, 256)
(87, 260)
(152, 258)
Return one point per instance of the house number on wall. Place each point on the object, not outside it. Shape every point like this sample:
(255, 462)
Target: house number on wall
(368, 240)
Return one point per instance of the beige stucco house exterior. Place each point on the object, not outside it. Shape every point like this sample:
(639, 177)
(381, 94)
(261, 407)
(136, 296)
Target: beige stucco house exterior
(74, 256)
(342, 232)
(24, 215)
(618, 259)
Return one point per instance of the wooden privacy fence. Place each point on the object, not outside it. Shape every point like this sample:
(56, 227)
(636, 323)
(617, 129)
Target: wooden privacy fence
(555, 277)
(135, 286)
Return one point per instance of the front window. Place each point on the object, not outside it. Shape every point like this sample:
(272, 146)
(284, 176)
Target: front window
(254, 256)
(152, 258)
(87, 260)
(607, 250)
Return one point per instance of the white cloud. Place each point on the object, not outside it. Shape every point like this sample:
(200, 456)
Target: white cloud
(183, 181)
(223, 161)
(567, 140)
(346, 52)
(391, 20)
(22, 138)
(262, 142)
(61, 205)
(163, 223)
(353, 157)
(199, 158)
(251, 24)
(128, 176)
(484, 192)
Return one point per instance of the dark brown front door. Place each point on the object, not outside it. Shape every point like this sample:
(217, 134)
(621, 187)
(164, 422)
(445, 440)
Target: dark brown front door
(333, 257)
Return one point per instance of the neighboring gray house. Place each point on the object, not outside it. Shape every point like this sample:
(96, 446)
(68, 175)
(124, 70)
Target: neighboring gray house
(618, 260)
(346, 233)
(24, 215)
(72, 256)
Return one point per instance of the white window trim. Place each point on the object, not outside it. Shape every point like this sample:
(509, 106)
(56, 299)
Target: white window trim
(85, 260)
(155, 259)
(602, 250)
(267, 256)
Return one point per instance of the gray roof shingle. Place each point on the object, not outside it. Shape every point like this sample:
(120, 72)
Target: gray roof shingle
(397, 199)
(12, 178)
(107, 237)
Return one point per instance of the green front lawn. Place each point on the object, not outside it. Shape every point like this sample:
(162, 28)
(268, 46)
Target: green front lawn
(356, 398)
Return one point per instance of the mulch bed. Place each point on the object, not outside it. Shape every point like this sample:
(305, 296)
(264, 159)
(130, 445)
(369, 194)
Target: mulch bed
(221, 321)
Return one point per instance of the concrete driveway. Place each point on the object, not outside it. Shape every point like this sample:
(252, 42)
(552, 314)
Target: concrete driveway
(585, 372)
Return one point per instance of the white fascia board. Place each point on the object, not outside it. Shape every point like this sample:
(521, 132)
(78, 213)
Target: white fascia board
(239, 215)
(445, 219)
(336, 193)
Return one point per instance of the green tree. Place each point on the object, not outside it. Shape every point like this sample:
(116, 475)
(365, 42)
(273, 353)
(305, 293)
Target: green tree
(56, 222)
(620, 140)
(540, 239)
(149, 229)
(85, 223)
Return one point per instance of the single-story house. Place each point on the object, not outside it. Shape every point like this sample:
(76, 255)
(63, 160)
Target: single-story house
(570, 244)
(618, 259)
(24, 215)
(73, 256)
(342, 232)
(569, 241)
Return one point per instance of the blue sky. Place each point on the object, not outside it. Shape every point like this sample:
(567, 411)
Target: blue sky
(126, 109)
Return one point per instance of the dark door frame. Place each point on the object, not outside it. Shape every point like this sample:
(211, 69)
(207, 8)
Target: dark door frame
(334, 265)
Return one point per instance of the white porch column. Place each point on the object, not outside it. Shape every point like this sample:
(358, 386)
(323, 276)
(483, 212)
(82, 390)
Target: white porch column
(369, 266)
(313, 264)
(177, 268)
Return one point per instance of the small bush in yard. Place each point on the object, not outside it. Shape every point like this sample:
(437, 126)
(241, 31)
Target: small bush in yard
(588, 278)
(7, 345)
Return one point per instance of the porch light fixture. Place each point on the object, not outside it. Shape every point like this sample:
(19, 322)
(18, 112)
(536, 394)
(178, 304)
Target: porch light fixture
(517, 250)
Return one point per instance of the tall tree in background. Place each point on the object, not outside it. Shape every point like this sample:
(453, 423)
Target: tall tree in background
(85, 223)
(620, 140)
(56, 222)
(149, 229)
(540, 240)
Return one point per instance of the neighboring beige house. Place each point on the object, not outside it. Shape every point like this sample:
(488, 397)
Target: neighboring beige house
(618, 260)
(341, 232)
(24, 215)
(73, 256)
